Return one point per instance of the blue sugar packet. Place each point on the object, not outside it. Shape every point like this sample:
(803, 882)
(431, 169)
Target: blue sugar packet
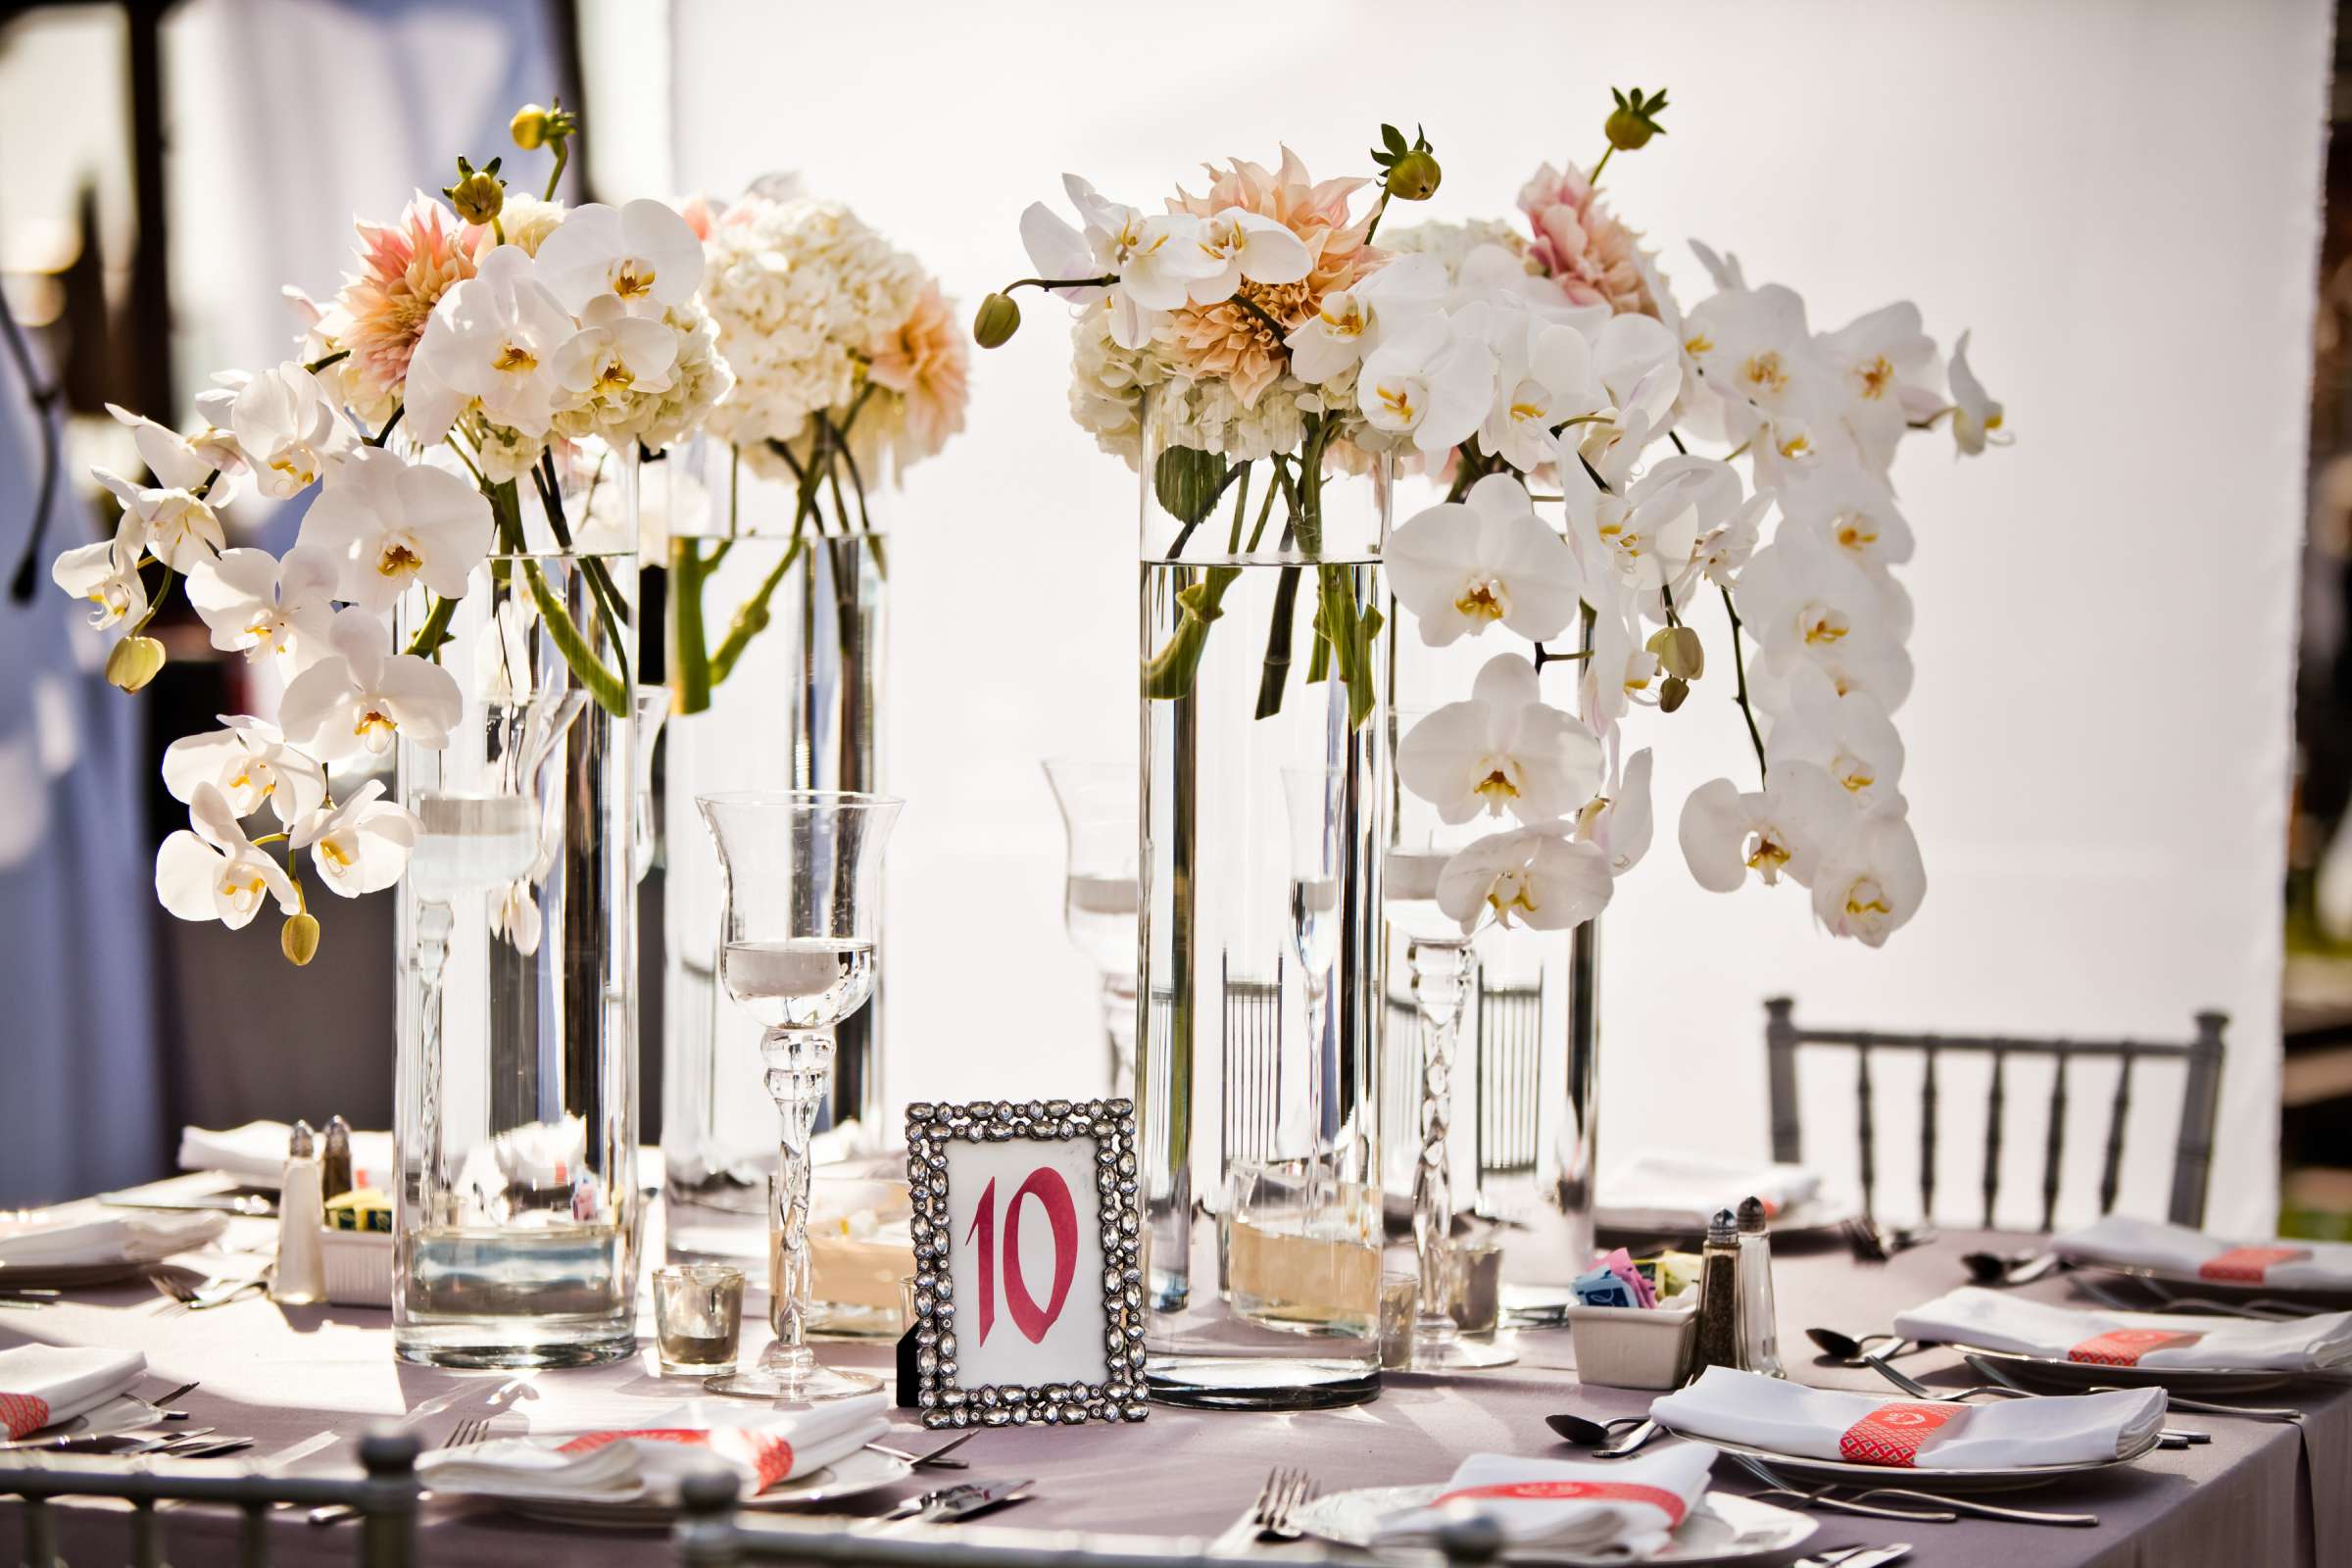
(1603, 1287)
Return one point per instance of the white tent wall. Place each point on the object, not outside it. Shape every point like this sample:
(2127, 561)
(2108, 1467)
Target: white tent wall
(2119, 198)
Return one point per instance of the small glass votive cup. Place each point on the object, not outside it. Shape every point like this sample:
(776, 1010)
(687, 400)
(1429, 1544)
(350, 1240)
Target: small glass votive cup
(698, 1319)
(1399, 1306)
(908, 1290)
(1477, 1304)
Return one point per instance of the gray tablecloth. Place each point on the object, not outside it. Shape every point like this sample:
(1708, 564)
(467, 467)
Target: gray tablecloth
(304, 1380)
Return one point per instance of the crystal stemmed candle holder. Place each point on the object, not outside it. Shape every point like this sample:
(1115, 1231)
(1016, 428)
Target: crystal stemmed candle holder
(1100, 898)
(802, 876)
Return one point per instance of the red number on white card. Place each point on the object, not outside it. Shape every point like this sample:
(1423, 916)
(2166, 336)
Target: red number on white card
(1045, 1185)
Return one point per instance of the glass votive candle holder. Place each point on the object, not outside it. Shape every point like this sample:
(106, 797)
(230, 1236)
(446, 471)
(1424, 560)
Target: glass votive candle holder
(698, 1319)
(1477, 1304)
(1399, 1306)
(908, 1290)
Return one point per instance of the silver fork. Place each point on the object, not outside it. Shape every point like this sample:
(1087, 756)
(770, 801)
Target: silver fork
(1987, 1368)
(181, 1297)
(467, 1433)
(1821, 1499)
(1269, 1517)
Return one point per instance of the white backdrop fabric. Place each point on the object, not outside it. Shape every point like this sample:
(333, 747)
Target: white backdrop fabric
(2121, 199)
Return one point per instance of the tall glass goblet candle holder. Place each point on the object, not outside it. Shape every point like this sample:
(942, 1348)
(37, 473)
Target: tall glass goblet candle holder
(1439, 961)
(801, 874)
(1098, 802)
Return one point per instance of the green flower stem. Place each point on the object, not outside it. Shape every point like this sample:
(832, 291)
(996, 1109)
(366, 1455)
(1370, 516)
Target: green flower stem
(611, 693)
(163, 591)
(689, 665)
(436, 631)
(1755, 736)
(1171, 671)
(1277, 667)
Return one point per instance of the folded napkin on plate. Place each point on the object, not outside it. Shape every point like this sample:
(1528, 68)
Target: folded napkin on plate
(41, 1385)
(1937, 1435)
(2124, 1243)
(1628, 1506)
(1687, 1187)
(85, 1235)
(255, 1154)
(1992, 1320)
(645, 1464)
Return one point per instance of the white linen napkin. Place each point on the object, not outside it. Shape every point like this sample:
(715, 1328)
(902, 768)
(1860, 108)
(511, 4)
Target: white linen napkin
(1677, 1189)
(647, 1463)
(82, 1236)
(2120, 1241)
(41, 1385)
(255, 1154)
(1631, 1505)
(1864, 1429)
(1993, 1320)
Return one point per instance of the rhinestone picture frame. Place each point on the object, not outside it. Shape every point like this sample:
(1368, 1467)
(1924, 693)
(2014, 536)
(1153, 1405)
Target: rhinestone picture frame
(1118, 1394)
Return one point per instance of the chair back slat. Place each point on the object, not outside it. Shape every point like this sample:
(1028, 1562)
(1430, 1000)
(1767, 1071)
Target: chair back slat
(1869, 1132)
(2192, 1154)
(1994, 1103)
(146, 1535)
(2119, 1111)
(1510, 1059)
(1927, 1132)
(2054, 1147)
(1253, 1067)
(253, 1536)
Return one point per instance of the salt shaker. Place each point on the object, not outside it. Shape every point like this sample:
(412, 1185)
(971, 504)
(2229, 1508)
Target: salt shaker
(1717, 1334)
(1759, 1324)
(300, 1278)
(334, 1166)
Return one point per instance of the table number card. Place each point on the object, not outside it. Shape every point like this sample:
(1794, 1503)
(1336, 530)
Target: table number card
(1028, 1263)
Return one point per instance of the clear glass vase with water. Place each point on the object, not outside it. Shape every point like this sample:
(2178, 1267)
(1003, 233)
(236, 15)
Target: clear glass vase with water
(1258, 1012)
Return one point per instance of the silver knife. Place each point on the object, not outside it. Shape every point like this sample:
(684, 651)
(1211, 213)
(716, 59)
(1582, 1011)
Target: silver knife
(110, 1441)
(1857, 1557)
(949, 1503)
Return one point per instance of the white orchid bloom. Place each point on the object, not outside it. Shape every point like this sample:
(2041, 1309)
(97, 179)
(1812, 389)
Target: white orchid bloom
(1851, 509)
(1622, 823)
(1351, 324)
(107, 574)
(362, 845)
(1783, 829)
(1850, 737)
(1883, 361)
(1872, 882)
(1434, 382)
(360, 696)
(1800, 596)
(612, 356)
(390, 524)
(1249, 245)
(177, 514)
(1155, 259)
(1621, 670)
(1724, 269)
(1461, 567)
(1538, 877)
(1976, 418)
(641, 256)
(1502, 749)
(255, 604)
(214, 872)
(492, 340)
(1543, 378)
(289, 431)
(250, 764)
(1648, 538)
(1724, 550)
(1754, 350)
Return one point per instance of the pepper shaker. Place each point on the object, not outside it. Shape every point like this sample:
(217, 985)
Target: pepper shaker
(1717, 1335)
(334, 1166)
(1759, 1322)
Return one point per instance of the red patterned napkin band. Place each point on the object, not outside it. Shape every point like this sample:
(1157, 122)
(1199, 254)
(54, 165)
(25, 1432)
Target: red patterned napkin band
(23, 1414)
(2249, 1263)
(768, 1456)
(2125, 1346)
(1574, 1491)
(1891, 1434)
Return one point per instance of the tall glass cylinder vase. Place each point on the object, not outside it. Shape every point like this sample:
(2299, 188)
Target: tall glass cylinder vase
(1526, 1044)
(777, 661)
(516, 1211)
(1259, 987)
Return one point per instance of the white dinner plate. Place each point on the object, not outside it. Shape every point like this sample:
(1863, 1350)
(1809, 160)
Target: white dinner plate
(1821, 1215)
(2190, 1380)
(861, 1472)
(1920, 1478)
(1725, 1528)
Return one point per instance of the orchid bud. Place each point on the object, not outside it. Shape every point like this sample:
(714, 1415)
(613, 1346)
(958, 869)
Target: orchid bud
(1680, 652)
(1671, 692)
(135, 661)
(998, 319)
(529, 127)
(479, 195)
(299, 940)
(1414, 177)
(1634, 119)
